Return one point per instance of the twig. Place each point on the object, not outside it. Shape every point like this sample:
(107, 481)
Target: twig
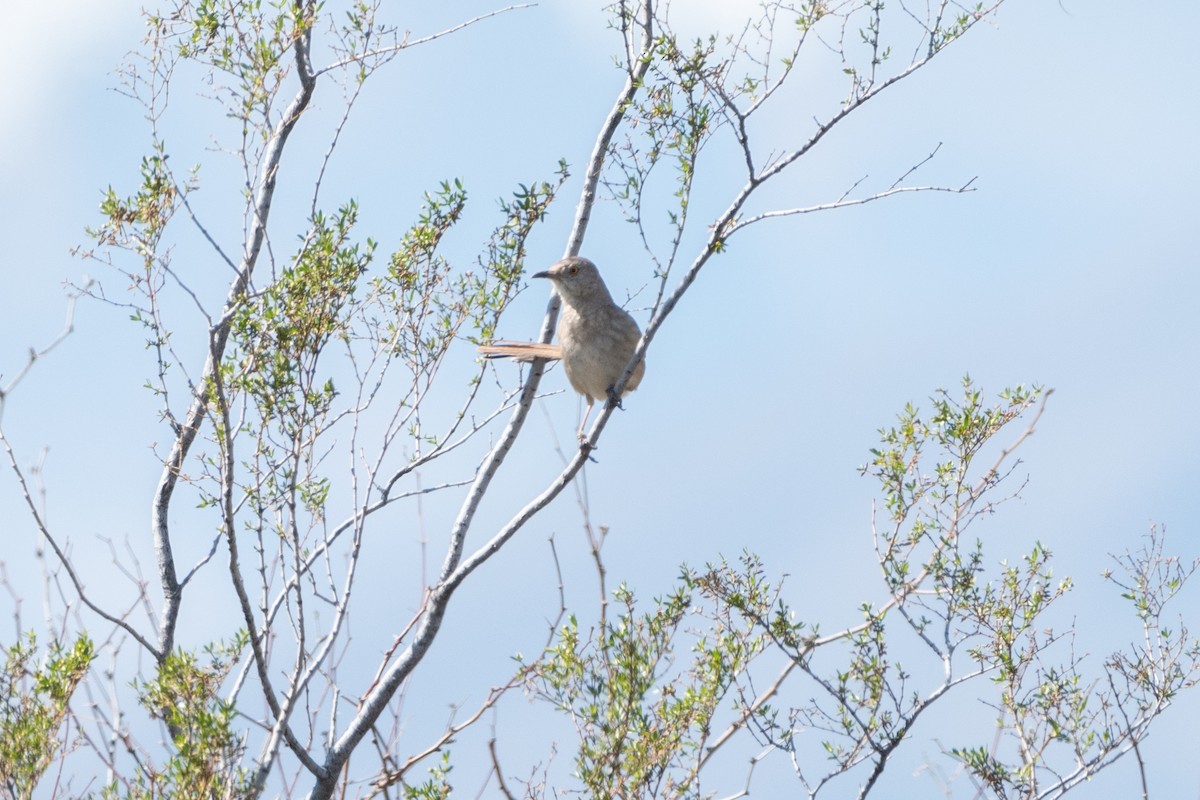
(35, 354)
(407, 43)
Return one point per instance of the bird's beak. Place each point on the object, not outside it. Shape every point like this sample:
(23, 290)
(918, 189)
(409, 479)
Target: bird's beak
(543, 274)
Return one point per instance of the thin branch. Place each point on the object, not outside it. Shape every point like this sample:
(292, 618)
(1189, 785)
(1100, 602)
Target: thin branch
(63, 558)
(496, 767)
(220, 251)
(35, 354)
(858, 201)
(749, 711)
(407, 43)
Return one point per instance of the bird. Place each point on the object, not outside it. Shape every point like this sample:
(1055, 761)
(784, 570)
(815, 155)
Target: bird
(596, 337)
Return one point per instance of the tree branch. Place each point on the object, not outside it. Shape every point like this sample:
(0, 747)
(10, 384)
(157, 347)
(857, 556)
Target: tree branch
(452, 571)
(218, 337)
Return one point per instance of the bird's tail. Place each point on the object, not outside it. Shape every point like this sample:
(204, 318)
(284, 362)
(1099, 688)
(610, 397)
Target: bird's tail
(521, 351)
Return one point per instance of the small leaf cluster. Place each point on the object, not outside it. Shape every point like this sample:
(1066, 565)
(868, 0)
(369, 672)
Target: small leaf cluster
(949, 29)
(436, 786)
(34, 703)
(243, 39)
(426, 302)
(672, 120)
(136, 223)
(281, 332)
(642, 722)
(206, 762)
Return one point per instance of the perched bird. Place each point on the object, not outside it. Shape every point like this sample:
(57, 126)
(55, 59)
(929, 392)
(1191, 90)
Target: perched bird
(596, 337)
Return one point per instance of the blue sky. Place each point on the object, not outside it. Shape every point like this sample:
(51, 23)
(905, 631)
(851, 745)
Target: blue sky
(1075, 264)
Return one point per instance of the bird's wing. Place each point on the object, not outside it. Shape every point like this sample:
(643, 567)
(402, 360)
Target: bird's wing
(521, 351)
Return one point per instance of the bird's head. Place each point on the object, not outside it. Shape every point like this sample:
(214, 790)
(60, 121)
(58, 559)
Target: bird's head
(576, 278)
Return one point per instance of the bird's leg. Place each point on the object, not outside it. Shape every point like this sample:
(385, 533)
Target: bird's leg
(587, 412)
(614, 400)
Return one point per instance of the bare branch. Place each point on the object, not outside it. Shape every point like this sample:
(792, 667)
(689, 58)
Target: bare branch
(64, 559)
(407, 43)
(35, 354)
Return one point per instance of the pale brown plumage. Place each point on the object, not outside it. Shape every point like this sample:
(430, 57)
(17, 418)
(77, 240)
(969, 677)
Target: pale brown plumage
(596, 336)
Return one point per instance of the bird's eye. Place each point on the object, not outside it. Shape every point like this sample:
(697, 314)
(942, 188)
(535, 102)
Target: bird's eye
(573, 270)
